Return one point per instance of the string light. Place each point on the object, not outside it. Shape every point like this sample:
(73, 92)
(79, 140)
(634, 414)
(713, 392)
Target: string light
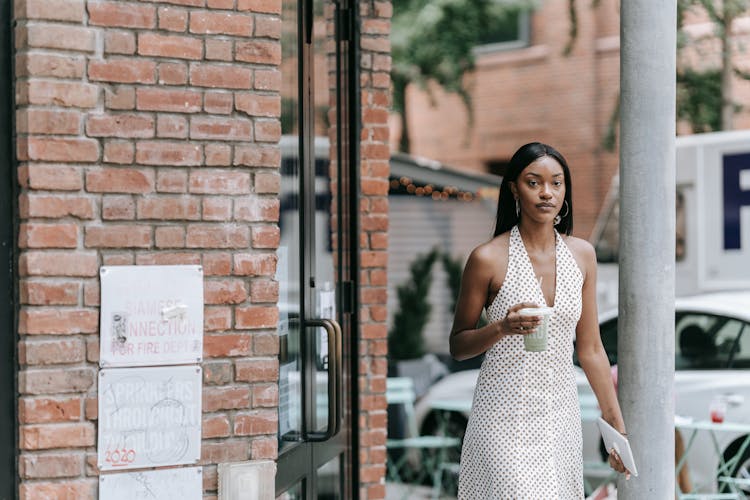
(404, 185)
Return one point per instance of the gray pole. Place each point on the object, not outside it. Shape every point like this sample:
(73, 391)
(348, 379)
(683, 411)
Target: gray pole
(647, 243)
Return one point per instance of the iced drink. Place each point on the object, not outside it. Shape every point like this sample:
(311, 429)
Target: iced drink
(537, 341)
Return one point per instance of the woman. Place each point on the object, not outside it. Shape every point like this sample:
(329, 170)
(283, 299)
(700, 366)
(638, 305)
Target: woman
(523, 440)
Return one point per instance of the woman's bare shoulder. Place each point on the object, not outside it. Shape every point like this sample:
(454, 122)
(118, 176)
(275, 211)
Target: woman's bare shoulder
(583, 252)
(493, 250)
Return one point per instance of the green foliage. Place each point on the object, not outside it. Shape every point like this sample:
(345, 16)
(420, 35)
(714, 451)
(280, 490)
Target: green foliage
(699, 99)
(432, 40)
(454, 270)
(405, 340)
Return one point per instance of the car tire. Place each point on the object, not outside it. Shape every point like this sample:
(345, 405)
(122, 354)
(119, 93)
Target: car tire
(739, 471)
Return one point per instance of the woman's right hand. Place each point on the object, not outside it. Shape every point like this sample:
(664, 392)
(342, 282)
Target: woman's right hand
(515, 324)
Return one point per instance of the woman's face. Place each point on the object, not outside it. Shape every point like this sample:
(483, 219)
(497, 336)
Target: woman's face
(540, 189)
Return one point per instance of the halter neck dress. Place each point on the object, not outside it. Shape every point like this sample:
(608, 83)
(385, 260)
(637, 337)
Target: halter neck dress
(523, 439)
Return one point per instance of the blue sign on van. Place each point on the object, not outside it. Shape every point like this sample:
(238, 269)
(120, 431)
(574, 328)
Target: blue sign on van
(736, 196)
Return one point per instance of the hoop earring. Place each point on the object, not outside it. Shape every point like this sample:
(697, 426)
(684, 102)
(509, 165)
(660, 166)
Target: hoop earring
(558, 217)
(518, 209)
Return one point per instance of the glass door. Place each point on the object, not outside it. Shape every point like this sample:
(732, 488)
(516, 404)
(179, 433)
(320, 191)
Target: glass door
(315, 266)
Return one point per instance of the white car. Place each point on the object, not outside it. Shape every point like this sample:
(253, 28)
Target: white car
(712, 359)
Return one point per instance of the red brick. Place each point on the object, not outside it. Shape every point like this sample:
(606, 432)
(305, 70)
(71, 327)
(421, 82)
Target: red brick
(224, 451)
(266, 344)
(168, 153)
(219, 50)
(264, 448)
(171, 181)
(265, 395)
(217, 372)
(53, 10)
(257, 156)
(121, 14)
(217, 236)
(58, 93)
(221, 23)
(48, 465)
(172, 73)
(173, 19)
(258, 105)
(45, 263)
(209, 181)
(265, 236)
(121, 152)
(218, 103)
(119, 180)
(373, 296)
(167, 259)
(227, 345)
(124, 125)
(217, 209)
(169, 237)
(267, 130)
(119, 42)
(215, 426)
(66, 490)
(267, 27)
(50, 381)
(257, 370)
(264, 6)
(225, 398)
(253, 317)
(218, 129)
(267, 183)
(58, 149)
(118, 236)
(49, 293)
(264, 291)
(256, 209)
(55, 206)
(220, 4)
(256, 423)
(169, 208)
(217, 264)
(176, 101)
(267, 79)
(129, 70)
(258, 52)
(53, 352)
(119, 97)
(180, 47)
(227, 291)
(118, 208)
(256, 264)
(42, 410)
(47, 436)
(52, 65)
(217, 318)
(48, 121)
(40, 320)
(118, 259)
(35, 235)
(171, 126)
(221, 76)
(57, 37)
(91, 299)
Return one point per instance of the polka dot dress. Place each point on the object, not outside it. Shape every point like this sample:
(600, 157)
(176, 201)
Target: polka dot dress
(523, 439)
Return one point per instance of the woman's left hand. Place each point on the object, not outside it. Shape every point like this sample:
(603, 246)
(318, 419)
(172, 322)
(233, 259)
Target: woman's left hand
(616, 463)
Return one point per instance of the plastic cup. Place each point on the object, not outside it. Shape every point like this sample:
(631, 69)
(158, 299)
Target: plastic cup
(717, 410)
(537, 340)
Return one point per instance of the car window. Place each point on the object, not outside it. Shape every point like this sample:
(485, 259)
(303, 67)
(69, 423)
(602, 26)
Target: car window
(710, 342)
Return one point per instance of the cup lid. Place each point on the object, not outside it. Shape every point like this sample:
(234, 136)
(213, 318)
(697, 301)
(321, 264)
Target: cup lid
(536, 311)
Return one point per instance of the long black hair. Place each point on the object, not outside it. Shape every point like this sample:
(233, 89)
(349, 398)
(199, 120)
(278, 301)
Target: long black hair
(506, 203)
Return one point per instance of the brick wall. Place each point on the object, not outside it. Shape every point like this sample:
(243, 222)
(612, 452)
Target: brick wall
(375, 87)
(537, 93)
(147, 133)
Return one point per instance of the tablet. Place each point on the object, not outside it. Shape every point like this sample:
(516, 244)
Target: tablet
(618, 442)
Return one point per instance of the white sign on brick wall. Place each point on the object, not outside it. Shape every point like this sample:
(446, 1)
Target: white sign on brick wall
(185, 483)
(151, 315)
(149, 417)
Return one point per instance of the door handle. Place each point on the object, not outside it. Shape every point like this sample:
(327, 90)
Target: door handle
(335, 366)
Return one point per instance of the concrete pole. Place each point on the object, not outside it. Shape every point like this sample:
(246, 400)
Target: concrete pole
(647, 243)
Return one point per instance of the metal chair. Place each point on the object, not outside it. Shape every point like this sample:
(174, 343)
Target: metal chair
(400, 391)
